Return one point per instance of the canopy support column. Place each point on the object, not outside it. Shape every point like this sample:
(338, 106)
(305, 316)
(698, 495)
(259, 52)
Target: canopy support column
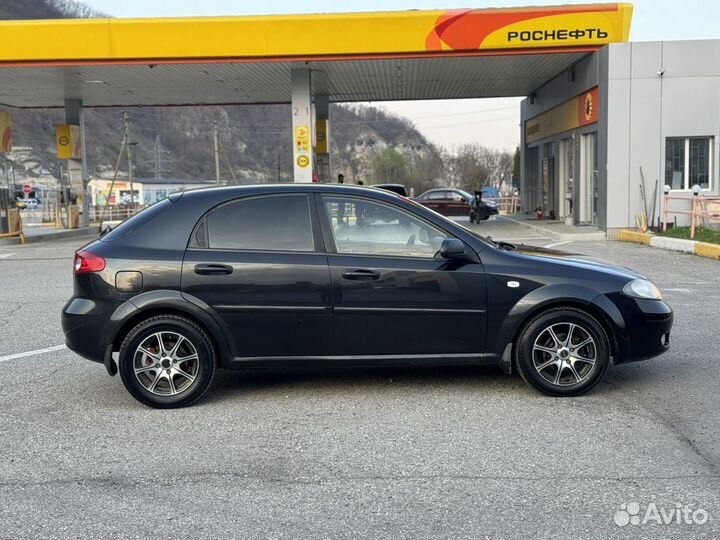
(322, 138)
(302, 111)
(77, 168)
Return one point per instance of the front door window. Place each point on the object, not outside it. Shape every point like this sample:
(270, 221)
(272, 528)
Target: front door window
(369, 228)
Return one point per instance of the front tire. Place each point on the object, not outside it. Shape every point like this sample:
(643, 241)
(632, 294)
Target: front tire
(563, 352)
(167, 362)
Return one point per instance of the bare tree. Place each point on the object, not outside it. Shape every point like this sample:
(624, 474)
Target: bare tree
(76, 10)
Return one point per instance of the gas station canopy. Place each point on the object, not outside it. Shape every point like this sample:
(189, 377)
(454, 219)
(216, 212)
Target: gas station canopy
(352, 57)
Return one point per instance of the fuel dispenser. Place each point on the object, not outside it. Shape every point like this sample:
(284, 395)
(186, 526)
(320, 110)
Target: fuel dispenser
(71, 192)
(10, 224)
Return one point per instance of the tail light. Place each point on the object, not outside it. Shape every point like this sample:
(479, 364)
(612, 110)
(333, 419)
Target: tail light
(86, 262)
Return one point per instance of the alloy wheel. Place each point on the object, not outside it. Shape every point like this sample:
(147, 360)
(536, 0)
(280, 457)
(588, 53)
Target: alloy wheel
(564, 354)
(166, 363)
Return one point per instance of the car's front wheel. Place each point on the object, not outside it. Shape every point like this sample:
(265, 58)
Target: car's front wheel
(167, 362)
(563, 352)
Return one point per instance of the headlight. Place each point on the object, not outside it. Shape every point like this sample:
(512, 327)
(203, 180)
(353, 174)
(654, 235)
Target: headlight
(642, 288)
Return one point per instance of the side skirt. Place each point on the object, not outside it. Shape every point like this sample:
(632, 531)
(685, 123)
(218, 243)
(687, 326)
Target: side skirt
(483, 359)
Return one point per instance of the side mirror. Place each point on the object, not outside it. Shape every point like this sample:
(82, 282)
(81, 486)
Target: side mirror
(453, 249)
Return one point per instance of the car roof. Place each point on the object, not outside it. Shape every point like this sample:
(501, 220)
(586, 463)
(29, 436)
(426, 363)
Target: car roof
(173, 228)
(259, 189)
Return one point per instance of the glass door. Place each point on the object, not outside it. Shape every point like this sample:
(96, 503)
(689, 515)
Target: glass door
(567, 162)
(588, 196)
(548, 181)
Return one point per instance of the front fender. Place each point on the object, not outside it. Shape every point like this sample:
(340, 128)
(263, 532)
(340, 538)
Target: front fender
(534, 302)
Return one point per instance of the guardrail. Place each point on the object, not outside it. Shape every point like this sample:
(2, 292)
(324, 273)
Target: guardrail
(704, 210)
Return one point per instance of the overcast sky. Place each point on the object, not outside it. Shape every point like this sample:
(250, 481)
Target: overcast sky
(492, 122)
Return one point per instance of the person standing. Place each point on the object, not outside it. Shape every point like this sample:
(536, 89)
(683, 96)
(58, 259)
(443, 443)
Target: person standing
(341, 206)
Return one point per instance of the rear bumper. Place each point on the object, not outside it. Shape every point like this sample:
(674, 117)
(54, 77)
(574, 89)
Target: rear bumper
(83, 322)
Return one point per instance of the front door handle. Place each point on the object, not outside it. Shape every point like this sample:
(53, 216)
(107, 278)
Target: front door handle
(212, 269)
(361, 274)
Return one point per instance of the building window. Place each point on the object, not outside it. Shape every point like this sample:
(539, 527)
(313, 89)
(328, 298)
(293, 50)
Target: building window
(688, 161)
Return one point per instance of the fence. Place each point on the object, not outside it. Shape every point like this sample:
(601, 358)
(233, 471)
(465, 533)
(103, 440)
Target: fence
(703, 210)
(506, 205)
(113, 213)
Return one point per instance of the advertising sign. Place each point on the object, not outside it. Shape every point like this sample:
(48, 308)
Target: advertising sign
(68, 141)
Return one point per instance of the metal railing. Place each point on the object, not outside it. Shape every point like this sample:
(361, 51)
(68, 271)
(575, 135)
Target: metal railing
(506, 205)
(704, 210)
(113, 213)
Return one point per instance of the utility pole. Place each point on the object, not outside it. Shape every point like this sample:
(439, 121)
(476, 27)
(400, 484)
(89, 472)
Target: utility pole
(216, 144)
(126, 128)
(158, 151)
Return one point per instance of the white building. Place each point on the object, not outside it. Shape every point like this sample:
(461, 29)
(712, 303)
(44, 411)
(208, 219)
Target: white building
(589, 132)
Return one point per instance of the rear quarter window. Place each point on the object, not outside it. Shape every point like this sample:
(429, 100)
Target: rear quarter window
(137, 221)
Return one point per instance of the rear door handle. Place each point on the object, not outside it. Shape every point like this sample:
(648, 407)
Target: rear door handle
(361, 274)
(213, 269)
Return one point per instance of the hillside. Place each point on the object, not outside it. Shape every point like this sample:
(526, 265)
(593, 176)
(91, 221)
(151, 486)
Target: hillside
(257, 139)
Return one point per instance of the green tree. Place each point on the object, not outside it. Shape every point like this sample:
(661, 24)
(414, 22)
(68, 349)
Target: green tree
(389, 167)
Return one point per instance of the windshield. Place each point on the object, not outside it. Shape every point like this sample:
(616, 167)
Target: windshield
(485, 239)
(465, 194)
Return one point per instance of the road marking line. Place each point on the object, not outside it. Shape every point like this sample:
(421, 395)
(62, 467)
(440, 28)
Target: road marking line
(6, 255)
(31, 353)
(558, 244)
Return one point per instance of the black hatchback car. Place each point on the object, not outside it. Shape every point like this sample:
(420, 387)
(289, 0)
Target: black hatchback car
(292, 275)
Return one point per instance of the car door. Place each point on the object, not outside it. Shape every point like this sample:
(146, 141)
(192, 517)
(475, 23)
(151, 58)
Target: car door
(457, 204)
(258, 263)
(391, 295)
(436, 200)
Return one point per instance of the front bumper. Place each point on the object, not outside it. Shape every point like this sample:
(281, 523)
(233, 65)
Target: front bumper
(647, 327)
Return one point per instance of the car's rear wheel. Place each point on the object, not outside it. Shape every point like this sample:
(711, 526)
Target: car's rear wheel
(563, 352)
(167, 362)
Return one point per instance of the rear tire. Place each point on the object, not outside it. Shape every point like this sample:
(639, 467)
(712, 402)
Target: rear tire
(563, 352)
(167, 362)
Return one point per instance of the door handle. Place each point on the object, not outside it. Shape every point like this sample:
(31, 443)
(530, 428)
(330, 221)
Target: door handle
(212, 269)
(361, 274)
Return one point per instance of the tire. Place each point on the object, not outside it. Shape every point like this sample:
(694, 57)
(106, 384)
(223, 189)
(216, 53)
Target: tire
(175, 377)
(555, 367)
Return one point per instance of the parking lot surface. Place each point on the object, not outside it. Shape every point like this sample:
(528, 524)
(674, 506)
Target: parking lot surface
(376, 453)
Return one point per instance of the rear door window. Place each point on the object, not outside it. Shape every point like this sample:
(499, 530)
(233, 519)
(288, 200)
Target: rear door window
(269, 223)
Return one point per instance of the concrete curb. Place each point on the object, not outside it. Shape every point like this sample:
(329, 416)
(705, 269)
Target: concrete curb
(711, 251)
(703, 249)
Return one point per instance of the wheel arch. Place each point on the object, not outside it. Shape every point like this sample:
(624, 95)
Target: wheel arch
(587, 307)
(554, 297)
(157, 303)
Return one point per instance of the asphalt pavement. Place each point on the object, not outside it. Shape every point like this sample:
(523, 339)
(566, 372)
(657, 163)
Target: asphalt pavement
(400, 453)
